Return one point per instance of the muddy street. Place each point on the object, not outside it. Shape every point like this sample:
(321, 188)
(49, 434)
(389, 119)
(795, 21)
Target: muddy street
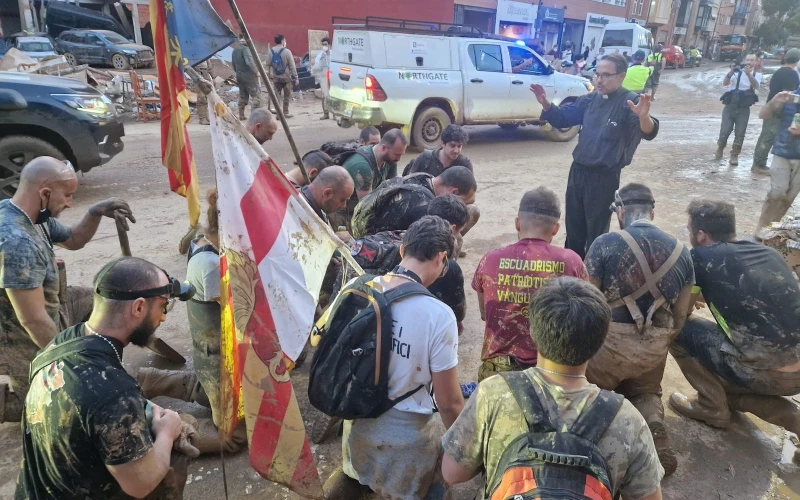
(747, 461)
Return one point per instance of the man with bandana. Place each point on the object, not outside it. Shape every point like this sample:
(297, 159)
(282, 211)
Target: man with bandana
(34, 306)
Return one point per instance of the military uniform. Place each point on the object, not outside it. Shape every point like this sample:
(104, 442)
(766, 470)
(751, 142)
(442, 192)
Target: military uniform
(246, 77)
(202, 99)
(27, 261)
(492, 418)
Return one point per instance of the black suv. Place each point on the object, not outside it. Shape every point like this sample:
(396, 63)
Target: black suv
(51, 116)
(103, 47)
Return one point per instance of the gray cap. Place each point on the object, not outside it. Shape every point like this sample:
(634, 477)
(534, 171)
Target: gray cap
(792, 56)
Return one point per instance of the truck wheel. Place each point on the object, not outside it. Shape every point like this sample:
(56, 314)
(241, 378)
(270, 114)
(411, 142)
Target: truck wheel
(15, 152)
(508, 126)
(426, 132)
(70, 59)
(563, 134)
(119, 61)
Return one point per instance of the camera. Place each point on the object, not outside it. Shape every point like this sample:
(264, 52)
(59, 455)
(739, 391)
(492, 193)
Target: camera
(737, 67)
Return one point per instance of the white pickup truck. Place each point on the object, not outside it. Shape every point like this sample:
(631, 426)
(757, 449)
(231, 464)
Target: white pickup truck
(423, 82)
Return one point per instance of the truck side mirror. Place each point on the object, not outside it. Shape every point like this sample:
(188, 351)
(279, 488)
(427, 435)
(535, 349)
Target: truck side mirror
(420, 61)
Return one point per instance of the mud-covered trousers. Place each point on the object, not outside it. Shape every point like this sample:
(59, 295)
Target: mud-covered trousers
(734, 119)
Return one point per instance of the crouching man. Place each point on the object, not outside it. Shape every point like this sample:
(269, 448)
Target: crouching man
(88, 432)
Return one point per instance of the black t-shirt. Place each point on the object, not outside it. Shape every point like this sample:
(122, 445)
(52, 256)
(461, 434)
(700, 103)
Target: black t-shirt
(755, 298)
(611, 261)
(83, 412)
(783, 79)
(429, 163)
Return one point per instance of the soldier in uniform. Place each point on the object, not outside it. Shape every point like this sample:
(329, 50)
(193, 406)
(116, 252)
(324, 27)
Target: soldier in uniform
(202, 100)
(246, 76)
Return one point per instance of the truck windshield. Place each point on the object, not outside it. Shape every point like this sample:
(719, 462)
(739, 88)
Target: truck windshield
(618, 38)
(35, 47)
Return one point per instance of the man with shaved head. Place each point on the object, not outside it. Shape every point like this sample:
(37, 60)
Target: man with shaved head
(329, 191)
(33, 305)
(262, 125)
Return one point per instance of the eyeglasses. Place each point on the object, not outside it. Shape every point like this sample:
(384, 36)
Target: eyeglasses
(446, 264)
(168, 304)
(605, 76)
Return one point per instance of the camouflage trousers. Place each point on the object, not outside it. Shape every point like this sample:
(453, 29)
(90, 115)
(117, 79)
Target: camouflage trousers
(283, 89)
(500, 364)
(249, 91)
(769, 129)
(205, 328)
(632, 364)
(202, 108)
(171, 487)
(17, 350)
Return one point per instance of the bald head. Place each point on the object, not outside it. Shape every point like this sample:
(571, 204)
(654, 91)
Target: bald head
(43, 172)
(46, 183)
(262, 125)
(332, 188)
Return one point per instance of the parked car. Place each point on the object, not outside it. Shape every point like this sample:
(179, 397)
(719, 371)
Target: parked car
(674, 56)
(51, 116)
(424, 80)
(63, 16)
(103, 47)
(36, 47)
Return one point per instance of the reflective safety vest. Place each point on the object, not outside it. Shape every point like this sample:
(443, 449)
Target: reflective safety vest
(636, 78)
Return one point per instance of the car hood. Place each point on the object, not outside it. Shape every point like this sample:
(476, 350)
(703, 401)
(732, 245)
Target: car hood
(133, 46)
(51, 84)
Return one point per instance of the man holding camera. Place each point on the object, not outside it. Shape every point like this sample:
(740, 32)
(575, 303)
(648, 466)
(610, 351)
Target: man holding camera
(742, 81)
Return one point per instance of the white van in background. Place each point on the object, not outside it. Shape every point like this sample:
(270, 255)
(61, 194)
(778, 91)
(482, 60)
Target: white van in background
(626, 38)
(421, 77)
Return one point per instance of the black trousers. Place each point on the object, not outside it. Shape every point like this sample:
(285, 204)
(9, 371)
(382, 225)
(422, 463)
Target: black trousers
(590, 191)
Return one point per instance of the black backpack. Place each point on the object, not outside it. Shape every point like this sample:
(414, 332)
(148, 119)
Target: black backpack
(368, 214)
(427, 156)
(349, 375)
(340, 152)
(548, 463)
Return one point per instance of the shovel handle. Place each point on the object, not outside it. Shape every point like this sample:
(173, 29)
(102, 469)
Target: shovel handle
(124, 243)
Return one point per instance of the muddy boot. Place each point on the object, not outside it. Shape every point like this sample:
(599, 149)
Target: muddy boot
(340, 486)
(760, 169)
(325, 116)
(719, 153)
(711, 404)
(735, 154)
(207, 438)
(242, 105)
(176, 384)
(11, 407)
(665, 454)
(773, 409)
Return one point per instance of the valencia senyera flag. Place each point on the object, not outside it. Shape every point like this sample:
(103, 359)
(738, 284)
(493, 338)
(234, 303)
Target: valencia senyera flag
(185, 32)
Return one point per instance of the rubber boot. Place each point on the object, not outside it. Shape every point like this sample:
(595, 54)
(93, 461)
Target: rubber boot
(665, 453)
(206, 437)
(11, 407)
(340, 486)
(773, 409)
(325, 116)
(711, 404)
(242, 105)
(719, 153)
(773, 211)
(735, 154)
(176, 384)
(760, 169)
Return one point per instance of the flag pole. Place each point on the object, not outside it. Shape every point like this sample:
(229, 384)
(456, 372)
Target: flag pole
(270, 90)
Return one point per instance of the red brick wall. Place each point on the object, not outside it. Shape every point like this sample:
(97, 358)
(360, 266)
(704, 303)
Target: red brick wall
(293, 18)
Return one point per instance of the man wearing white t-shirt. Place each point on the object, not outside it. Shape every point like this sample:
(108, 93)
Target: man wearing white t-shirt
(397, 455)
(744, 80)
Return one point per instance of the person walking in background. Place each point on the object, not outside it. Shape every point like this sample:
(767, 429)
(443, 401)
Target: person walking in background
(283, 72)
(246, 77)
(742, 82)
(785, 172)
(637, 77)
(321, 65)
(784, 79)
(655, 61)
(613, 121)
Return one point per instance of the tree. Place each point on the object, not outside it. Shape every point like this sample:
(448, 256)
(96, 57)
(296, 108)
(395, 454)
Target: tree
(780, 8)
(771, 33)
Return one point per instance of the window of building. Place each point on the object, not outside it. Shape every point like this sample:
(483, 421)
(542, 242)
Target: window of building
(486, 57)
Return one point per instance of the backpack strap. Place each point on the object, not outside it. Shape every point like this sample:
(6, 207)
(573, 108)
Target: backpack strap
(651, 282)
(406, 290)
(522, 389)
(593, 422)
(373, 162)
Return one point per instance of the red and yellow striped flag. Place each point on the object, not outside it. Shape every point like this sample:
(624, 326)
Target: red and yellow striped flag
(176, 151)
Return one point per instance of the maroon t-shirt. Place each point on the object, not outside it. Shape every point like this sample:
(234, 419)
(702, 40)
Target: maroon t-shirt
(508, 277)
